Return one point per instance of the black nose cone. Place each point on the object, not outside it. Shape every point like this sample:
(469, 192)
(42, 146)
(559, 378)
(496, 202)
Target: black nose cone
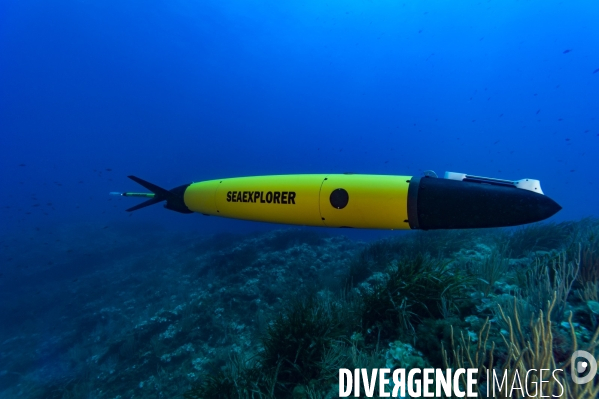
(540, 208)
(451, 204)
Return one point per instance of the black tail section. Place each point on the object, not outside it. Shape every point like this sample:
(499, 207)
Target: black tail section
(174, 197)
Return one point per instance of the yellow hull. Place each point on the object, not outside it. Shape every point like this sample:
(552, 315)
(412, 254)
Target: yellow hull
(334, 200)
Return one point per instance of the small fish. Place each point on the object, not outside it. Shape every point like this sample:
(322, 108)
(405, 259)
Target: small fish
(596, 70)
(538, 111)
(567, 51)
(108, 170)
(22, 164)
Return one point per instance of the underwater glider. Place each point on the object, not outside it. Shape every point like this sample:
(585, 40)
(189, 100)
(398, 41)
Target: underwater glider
(458, 201)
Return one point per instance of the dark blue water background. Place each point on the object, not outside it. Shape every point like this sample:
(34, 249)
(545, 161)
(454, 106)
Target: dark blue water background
(184, 91)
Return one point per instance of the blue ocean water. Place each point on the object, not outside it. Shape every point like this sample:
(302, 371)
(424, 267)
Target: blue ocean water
(182, 91)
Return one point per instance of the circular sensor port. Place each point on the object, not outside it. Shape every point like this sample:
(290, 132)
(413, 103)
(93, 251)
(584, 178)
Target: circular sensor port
(339, 198)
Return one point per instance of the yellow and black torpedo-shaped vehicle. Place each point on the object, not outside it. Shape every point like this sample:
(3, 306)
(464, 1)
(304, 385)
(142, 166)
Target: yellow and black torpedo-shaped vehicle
(458, 201)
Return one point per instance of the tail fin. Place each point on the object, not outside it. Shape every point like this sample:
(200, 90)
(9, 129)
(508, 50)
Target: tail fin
(173, 197)
(144, 204)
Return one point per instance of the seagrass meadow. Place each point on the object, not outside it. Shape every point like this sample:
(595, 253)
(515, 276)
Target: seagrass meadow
(276, 314)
